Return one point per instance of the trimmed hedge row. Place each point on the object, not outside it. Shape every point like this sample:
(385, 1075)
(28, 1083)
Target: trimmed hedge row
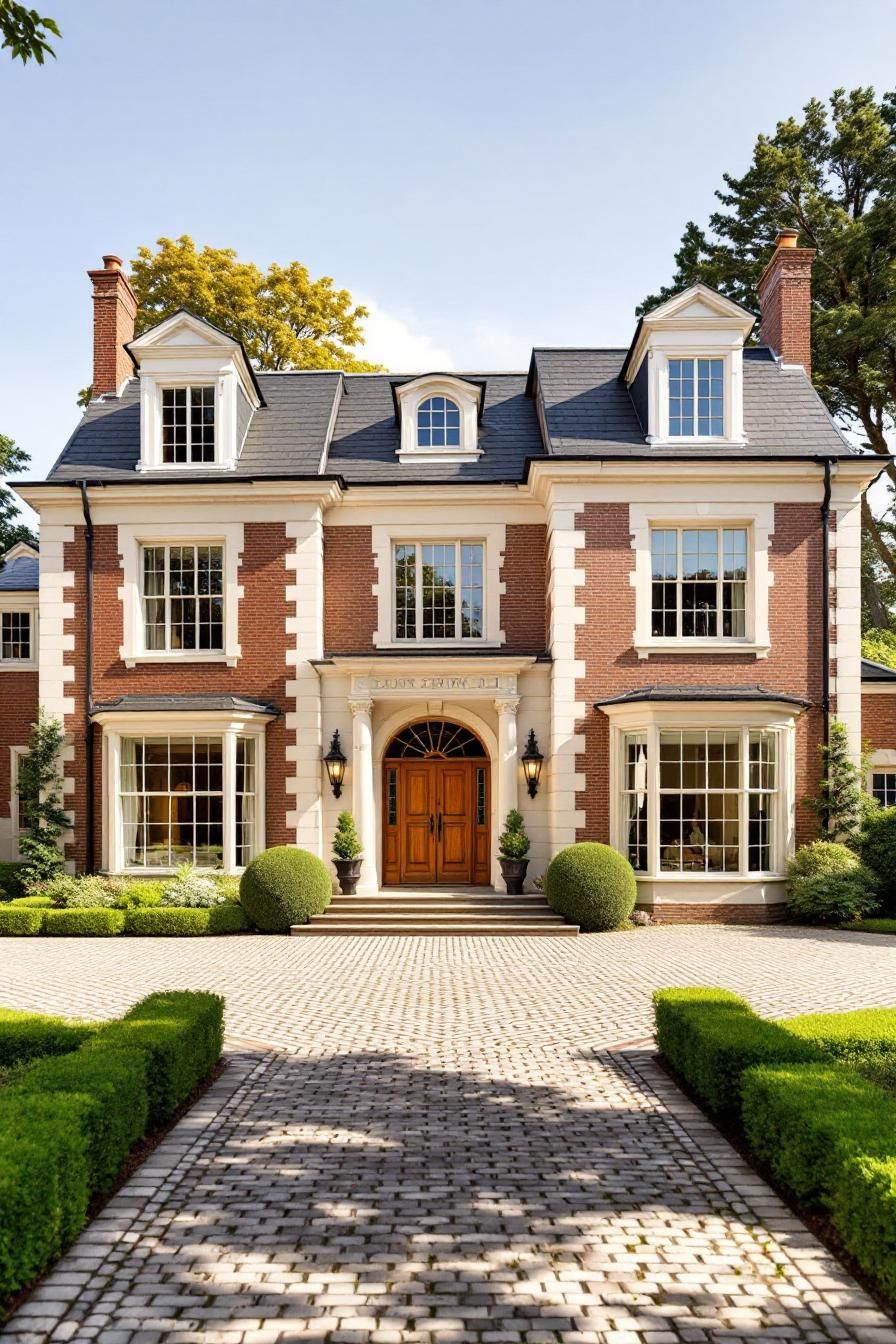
(711, 1037)
(19, 919)
(825, 1133)
(27, 1036)
(870, 926)
(68, 1123)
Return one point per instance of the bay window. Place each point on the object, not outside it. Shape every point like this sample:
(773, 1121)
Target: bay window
(438, 590)
(188, 798)
(703, 801)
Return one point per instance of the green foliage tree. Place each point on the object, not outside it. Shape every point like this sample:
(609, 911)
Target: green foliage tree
(25, 32)
(880, 647)
(40, 785)
(284, 318)
(841, 803)
(832, 175)
(12, 460)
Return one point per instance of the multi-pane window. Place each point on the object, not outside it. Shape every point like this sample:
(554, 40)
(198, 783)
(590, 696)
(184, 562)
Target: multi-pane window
(188, 424)
(172, 800)
(698, 582)
(714, 793)
(15, 636)
(438, 423)
(183, 598)
(696, 398)
(439, 591)
(883, 787)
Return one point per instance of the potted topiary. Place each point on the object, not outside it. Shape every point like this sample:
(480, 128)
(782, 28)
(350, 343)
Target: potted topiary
(347, 854)
(513, 847)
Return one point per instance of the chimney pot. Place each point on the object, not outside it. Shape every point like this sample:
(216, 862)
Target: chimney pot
(114, 311)
(787, 238)
(785, 300)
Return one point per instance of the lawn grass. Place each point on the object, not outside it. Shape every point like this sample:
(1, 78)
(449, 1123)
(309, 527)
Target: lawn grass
(870, 926)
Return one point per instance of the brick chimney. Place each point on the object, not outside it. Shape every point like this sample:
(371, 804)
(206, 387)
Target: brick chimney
(114, 310)
(785, 300)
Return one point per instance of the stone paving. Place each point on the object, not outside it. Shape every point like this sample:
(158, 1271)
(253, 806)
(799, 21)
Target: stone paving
(436, 1140)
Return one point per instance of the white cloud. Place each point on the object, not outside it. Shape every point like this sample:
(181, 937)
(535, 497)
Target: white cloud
(397, 342)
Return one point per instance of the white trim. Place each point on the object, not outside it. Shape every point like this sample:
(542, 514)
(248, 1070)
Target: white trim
(16, 829)
(130, 540)
(13, 602)
(411, 395)
(385, 536)
(565, 771)
(225, 724)
(304, 645)
(758, 519)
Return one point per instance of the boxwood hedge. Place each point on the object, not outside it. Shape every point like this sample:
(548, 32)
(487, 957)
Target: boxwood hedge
(17, 921)
(103, 923)
(185, 921)
(26, 1036)
(864, 1214)
(864, 1038)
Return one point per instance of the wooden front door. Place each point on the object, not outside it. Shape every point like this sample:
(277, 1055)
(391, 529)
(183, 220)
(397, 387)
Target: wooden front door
(435, 822)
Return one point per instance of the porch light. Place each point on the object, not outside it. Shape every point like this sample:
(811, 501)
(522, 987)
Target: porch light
(532, 762)
(335, 763)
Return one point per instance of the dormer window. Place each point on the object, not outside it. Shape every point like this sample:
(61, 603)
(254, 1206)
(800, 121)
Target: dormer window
(697, 398)
(438, 423)
(188, 424)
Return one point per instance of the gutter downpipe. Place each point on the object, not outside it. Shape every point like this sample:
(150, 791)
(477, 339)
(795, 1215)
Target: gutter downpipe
(826, 615)
(88, 670)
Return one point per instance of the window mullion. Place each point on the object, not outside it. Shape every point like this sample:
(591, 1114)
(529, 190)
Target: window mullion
(167, 597)
(458, 591)
(418, 590)
(679, 582)
(229, 800)
(743, 806)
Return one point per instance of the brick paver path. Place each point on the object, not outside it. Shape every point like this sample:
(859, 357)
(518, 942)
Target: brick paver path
(440, 1143)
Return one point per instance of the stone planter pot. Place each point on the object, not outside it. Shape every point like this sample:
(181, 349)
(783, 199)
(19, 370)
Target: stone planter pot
(348, 871)
(514, 872)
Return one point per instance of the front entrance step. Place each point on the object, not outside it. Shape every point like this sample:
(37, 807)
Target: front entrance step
(438, 912)
(373, 905)
(425, 928)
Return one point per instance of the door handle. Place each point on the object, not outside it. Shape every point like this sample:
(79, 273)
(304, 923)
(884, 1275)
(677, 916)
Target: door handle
(432, 823)
(440, 827)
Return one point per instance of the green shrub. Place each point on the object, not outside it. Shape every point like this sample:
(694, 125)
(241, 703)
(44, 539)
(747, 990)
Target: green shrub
(804, 1122)
(82, 923)
(228, 918)
(140, 893)
(69, 892)
(25, 1036)
(17, 921)
(864, 1039)
(870, 926)
(166, 922)
(513, 843)
(11, 881)
(191, 889)
(110, 1087)
(879, 853)
(284, 886)
(33, 902)
(710, 1038)
(181, 1035)
(43, 1184)
(591, 885)
(823, 858)
(229, 886)
(833, 898)
(346, 843)
(864, 1214)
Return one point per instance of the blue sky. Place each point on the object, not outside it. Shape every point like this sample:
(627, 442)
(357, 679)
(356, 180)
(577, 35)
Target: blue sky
(486, 176)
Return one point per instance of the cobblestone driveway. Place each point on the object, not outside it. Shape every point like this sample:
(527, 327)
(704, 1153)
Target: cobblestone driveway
(441, 1144)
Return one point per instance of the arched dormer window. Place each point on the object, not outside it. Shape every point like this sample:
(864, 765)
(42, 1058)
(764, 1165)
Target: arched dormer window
(438, 423)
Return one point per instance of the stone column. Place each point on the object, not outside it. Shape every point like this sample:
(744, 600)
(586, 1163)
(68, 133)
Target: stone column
(363, 793)
(507, 781)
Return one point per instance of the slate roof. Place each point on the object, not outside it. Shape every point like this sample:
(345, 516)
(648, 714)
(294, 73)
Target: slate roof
(20, 575)
(877, 672)
(588, 413)
(185, 704)
(696, 692)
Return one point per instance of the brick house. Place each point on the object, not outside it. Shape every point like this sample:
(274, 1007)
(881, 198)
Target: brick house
(643, 562)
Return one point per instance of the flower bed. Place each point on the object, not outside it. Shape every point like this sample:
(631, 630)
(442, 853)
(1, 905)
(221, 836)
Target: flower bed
(69, 1119)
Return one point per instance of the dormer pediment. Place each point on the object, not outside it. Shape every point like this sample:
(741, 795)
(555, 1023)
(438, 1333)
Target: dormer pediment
(438, 416)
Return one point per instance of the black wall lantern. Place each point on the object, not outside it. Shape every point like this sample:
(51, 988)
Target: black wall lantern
(532, 763)
(335, 763)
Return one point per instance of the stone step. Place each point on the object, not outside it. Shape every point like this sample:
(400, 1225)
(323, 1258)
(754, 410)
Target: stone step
(417, 928)
(375, 905)
(440, 916)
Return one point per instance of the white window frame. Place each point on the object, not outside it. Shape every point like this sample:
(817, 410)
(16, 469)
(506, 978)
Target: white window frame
(759, 522)
(195, 384)
(881, 762)
(385, 538)
(419, 637)
(693, 359)
(13, 602)
(650, 719)
(167, 598)
(731, 354)
(16, 829)
(410, 397)
(116, 727)
(131, 540)
(679, 581)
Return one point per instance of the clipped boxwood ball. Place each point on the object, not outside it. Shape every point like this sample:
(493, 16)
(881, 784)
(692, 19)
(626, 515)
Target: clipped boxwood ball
(284, 886)
(591, 885)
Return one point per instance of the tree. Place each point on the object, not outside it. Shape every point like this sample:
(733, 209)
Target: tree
(25, 32)
(284, 319)
(841, 803)
(832, 175)
(12, 460)
(40, 786)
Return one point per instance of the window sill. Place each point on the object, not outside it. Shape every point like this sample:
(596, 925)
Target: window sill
(136, 659)
(722, 647)
(694, 441)
(17, 665)
(185, 466)
(709, 878)
(438, 645)
(438, 455)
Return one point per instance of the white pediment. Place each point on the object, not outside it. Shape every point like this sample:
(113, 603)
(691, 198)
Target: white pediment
(182, 329)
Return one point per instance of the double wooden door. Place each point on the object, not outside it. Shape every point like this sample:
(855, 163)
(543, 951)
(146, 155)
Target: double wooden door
(436, 822)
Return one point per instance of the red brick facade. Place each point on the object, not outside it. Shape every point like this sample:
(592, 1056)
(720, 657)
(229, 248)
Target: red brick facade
(879, 721)
(604, 643)
(785, 296)
(350, 607)
(114, 310)
(18, 697)
(523, 606)
(261, 673)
